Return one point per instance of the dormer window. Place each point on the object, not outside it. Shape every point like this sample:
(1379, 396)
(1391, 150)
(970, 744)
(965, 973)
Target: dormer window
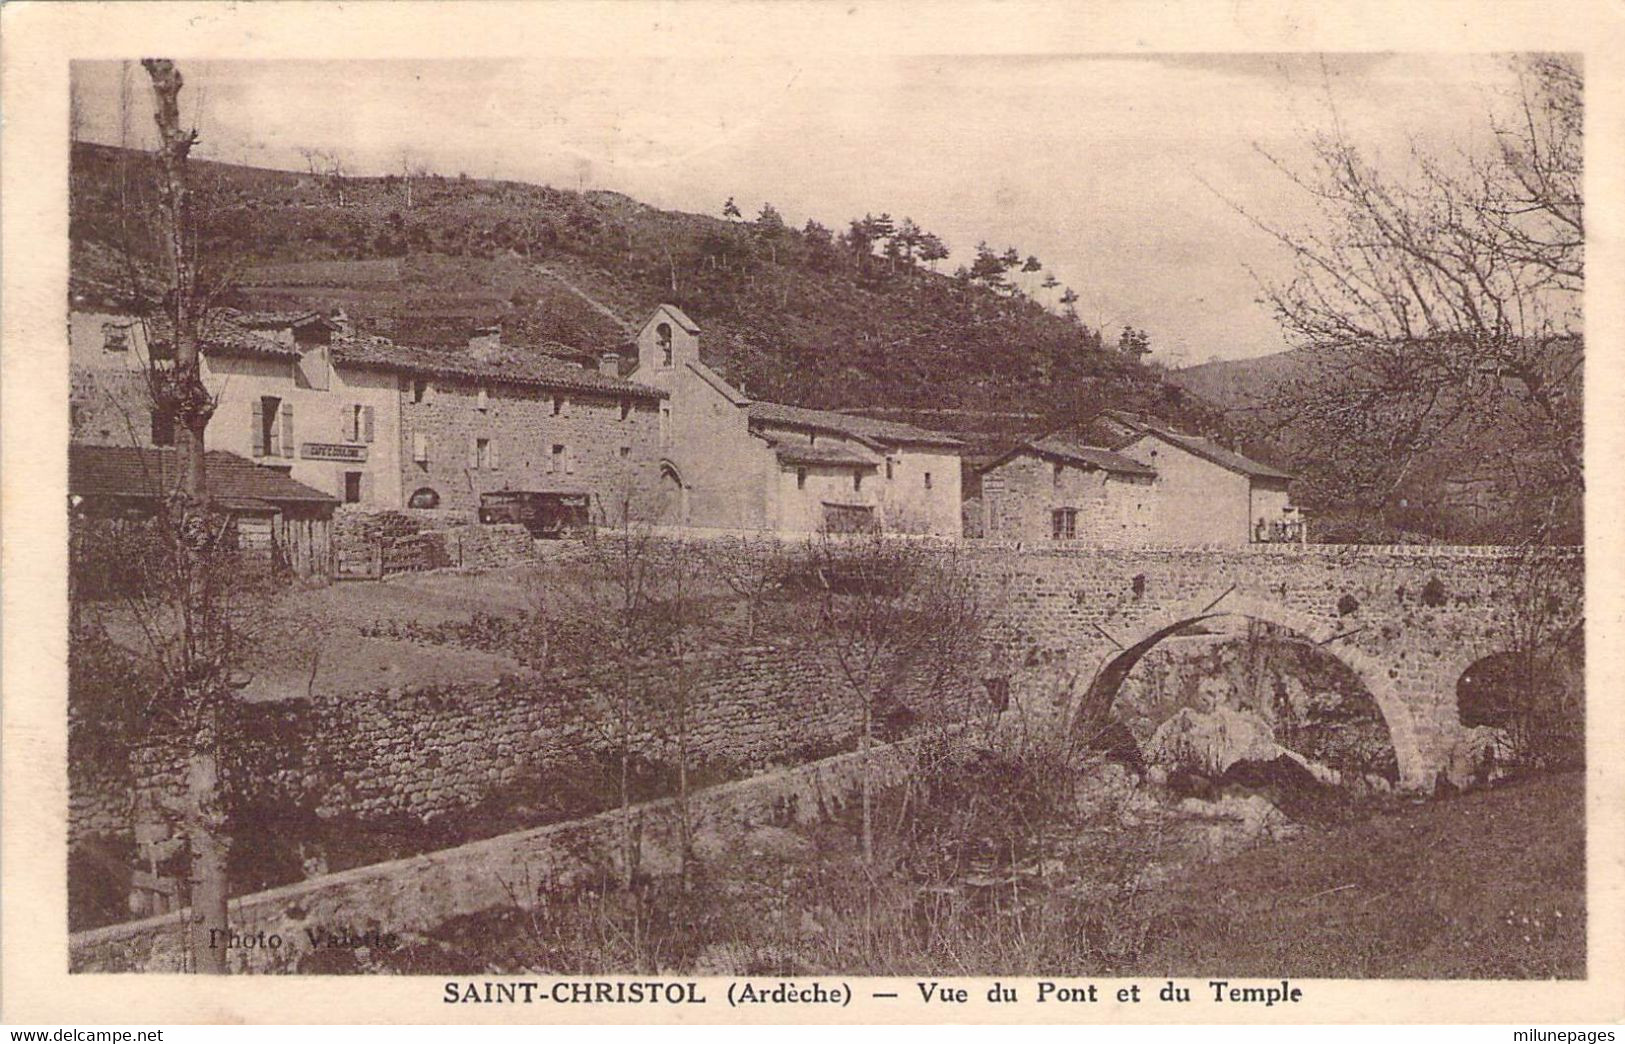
(663, 340)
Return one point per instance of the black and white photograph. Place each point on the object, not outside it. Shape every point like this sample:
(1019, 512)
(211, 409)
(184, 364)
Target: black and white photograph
(668, 528)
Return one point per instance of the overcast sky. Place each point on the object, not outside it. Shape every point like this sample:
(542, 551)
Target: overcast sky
(1109, 168)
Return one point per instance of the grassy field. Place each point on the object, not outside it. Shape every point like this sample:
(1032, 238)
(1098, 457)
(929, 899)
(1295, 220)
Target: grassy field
(1484, 885)
(1489, 885)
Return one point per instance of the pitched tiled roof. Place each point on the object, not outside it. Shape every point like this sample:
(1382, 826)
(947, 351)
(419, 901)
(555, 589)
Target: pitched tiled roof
(1207, 449)
(683, 320)
(1090, 456)
(865, 429)
(276, 320)
(826, 455)
(222, 335)
(125, 471)
(1226, 458)
(714, 379)
(510, 367)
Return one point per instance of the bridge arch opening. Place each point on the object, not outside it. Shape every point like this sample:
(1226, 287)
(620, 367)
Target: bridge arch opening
(1526, 707)
(1225, 682)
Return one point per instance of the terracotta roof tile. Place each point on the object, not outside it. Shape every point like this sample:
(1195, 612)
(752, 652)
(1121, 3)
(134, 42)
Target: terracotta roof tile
(510, 367)
(125, 471)
(866, 429)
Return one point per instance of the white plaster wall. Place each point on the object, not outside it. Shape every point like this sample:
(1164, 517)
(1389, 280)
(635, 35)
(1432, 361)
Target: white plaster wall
(319, 416)
(1197, 503)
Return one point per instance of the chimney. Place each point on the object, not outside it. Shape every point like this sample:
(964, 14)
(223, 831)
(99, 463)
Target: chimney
(485, 342)
(609, 364)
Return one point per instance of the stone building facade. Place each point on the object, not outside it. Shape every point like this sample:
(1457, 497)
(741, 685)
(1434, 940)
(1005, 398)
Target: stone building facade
(493, 420)
(1124, 480)
(1056, 489)
(377, 424)
(731, 462)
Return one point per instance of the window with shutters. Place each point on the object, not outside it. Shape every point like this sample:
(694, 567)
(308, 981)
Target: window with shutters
(273, 427)
(555, 460)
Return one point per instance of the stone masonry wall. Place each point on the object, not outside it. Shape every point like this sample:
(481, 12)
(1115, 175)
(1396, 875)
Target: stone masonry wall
(1408, 620)
(609, 443)
(416, 894)
(1020, 495)
(435, 752)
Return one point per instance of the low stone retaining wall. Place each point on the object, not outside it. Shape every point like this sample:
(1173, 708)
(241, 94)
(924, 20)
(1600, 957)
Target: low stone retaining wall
(432, 752)
(418, 540)
(416, 894)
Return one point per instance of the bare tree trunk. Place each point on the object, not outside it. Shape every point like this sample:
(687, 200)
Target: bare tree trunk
(209, 844)
(188, 399)
(182, 392)
(865, 742)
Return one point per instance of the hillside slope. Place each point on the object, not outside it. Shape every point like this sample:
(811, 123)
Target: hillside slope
(797, 315)
(1487, 476)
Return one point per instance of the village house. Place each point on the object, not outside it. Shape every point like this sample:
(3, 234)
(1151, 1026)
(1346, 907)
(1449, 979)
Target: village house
(376, 424)
(280, 399)
(1057, 488)
(491, 419)
(276, 518)
(730, 462)
(1126, 480)
(1207, 494)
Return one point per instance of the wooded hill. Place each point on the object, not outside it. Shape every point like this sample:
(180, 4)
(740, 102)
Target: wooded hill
(811, 316)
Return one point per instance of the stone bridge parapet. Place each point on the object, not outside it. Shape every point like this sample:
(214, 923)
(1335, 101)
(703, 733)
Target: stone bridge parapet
(1409, 620)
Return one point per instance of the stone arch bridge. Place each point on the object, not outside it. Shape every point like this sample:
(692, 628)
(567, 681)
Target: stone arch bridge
(1408, 620)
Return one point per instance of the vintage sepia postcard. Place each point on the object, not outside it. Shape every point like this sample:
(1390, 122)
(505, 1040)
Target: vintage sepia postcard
(1091, 513)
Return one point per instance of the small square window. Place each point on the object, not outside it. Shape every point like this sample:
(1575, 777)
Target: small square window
(115, 338)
